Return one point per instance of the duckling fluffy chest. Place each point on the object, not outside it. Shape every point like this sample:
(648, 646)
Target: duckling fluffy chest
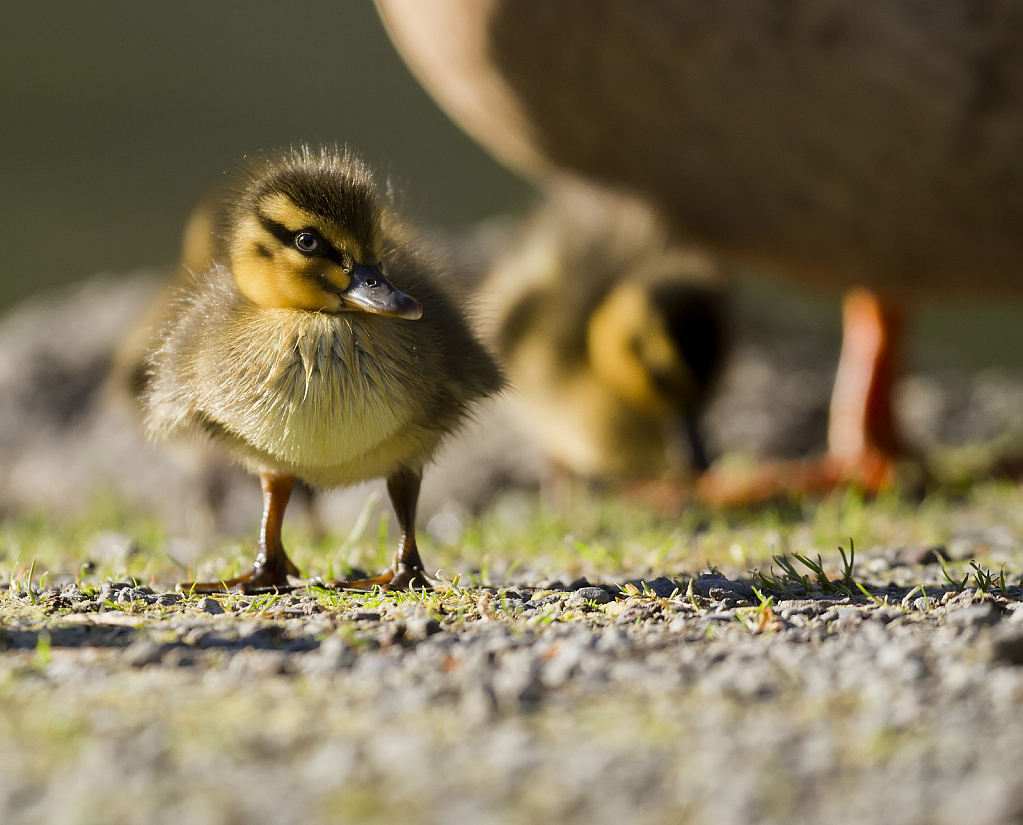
(313, 390)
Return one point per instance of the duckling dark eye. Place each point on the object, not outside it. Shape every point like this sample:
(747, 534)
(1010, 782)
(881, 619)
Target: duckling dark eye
(307, 243)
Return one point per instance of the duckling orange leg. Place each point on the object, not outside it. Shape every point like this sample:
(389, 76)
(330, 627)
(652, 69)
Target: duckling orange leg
(406, 571)
(272, 567)
(863, 446)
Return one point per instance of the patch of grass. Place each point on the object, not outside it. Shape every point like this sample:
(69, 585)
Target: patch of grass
(788, 550)
(760, 618)
(792, 582)
(957, 584)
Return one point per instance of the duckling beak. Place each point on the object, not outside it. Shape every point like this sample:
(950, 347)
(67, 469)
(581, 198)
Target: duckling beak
(370, 291)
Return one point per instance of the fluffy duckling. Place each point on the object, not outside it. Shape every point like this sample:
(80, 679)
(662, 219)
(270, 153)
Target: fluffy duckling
(129, 372)
(322, 347)
(612, 336)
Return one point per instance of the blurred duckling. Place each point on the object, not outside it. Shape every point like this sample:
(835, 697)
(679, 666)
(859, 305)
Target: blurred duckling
(612, 335)
(129, 372)
(322, 346)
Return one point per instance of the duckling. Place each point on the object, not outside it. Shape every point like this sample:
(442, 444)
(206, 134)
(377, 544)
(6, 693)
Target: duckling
(129, 371)
(612, 334)
(321, 346)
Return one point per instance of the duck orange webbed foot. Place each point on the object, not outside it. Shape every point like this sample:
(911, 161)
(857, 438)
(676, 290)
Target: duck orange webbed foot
(668, 496)
(873, 473)
(864, 449)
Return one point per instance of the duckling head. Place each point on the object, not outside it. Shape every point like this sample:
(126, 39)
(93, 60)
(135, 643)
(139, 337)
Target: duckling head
(658, 340)
(306, 234)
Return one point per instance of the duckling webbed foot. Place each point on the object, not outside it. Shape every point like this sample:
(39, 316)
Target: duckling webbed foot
(400, 577)
(261, 579)
(272, 567)
(406, 571)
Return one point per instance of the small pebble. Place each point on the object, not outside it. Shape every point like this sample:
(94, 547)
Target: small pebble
(1008, 648)
(211, 606)
(143, 652)
(335, 654)
(422, 627)
(921, 555)
(662, 587)
(975, 616)
(592, 594)
(715, 586)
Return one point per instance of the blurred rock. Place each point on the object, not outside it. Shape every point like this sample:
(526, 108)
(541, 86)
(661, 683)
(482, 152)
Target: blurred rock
(977, 615)
(144, 652)
(920, 555)
(716, 586)
(1007, 647)
(211, 606)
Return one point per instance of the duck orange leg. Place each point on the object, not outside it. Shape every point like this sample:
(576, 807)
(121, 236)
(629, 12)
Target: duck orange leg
(272, 566)
(406, 571)
(863, 445)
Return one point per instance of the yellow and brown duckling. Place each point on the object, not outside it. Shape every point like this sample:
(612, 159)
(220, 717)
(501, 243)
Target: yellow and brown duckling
(611, 333)
(130, 373)
(322, 347)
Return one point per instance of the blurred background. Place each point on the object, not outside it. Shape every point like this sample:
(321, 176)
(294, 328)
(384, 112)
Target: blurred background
(119, 116)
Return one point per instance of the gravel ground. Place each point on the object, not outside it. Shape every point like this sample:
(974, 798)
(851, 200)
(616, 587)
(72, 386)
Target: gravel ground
(665, 701)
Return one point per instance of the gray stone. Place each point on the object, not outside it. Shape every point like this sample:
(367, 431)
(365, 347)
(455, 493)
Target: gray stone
(143, 652)
(421, 627)
(662, 586)
(265, 662)
(211, 606)
(72, 594)
(128, 595)
(517, 681)
(787, 608)
(976, 615)
(179, 657)
(612, 640)
(591, 594)
(1007, 648)
(709, 582)
(336, 653)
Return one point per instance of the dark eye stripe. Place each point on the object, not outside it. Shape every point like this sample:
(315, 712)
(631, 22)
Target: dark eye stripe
(287, 236)
(278, 230)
